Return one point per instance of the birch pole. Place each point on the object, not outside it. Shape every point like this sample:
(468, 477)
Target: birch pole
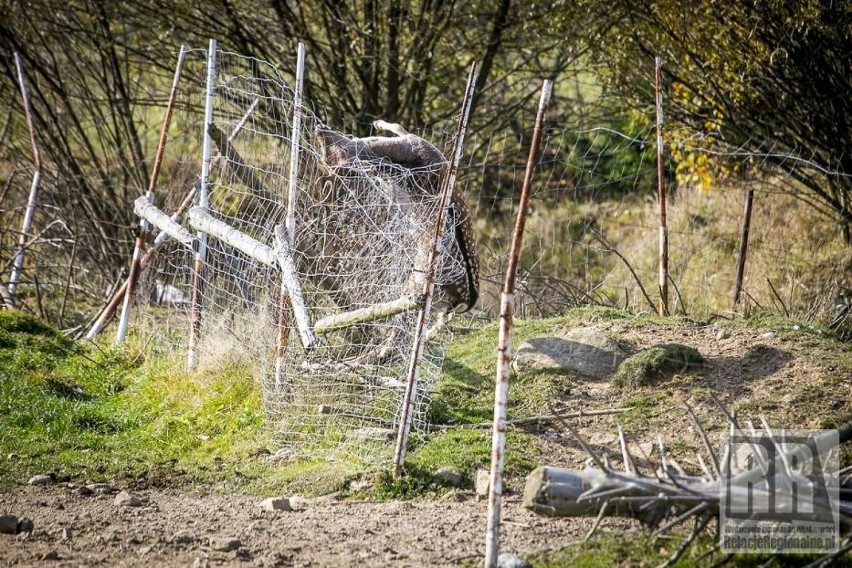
(18, 262)
(504, 345)
(135, 263)
(203, 203)
(663, 308)
(290, 219)
(413, 376)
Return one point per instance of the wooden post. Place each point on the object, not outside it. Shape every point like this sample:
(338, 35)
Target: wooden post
(152, 185)
(741, 257)
(663, 308)
(18, 262)
(413, 376)
(203, 202)
(504, 344)
(290, 219)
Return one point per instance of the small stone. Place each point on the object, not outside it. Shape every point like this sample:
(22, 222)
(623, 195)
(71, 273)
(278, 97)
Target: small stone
(66, 533)
(508, 560)
(225, 544)
(276, 504)
(483, 482)
(84, 491)
(42, 479)
(448, 475)
(184, 537)
(50, 555)
(101, 488)
(25, 525)
(125, 499)
(768, 335)
(8, 524)
(722, 334)
(646, 449)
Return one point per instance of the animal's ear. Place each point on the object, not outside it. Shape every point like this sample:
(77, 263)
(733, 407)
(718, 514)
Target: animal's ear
(391, 127)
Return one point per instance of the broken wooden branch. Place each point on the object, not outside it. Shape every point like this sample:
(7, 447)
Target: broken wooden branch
(242, 171)
(201, 220)
(370, 313)
(289, 274)
(158, 219)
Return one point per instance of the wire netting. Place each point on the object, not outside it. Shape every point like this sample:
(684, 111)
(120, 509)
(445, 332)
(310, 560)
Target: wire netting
(364, 227)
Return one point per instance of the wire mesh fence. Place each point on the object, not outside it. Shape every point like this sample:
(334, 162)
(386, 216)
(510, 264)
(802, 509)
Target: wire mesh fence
(333, 371)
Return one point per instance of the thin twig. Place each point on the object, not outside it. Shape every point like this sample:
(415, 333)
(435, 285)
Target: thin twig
(714, 460)
(629, 466)
(597, 522)
(699, 526)
(580, 440)
(778, 297)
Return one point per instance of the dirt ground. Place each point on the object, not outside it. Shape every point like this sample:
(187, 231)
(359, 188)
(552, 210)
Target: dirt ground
(756, 372)
(174, 528)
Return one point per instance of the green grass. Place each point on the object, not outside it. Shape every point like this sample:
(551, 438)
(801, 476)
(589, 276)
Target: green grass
(85, 413)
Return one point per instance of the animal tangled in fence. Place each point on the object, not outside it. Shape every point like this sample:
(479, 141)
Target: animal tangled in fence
(410, 168)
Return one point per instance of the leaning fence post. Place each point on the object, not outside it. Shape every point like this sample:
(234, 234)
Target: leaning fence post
(741, 257)
(18, 262)
(663, 308)
(413, 376)
(135, 263)
(203, 203)
(504, 345)
(290, 219)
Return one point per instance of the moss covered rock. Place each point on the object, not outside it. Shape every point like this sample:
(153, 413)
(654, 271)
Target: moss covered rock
(656, 363)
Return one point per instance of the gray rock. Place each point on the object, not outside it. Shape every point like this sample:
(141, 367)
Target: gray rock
(25, 525)
(448, 475)
(483, 482)
(225, 544)
(723, 334)
(184, 537)
(585, 351)
(125, 499)
(508, 560)
(84, 491)
(276, 504)
(8, 524)
(42, 479)
(50, 555)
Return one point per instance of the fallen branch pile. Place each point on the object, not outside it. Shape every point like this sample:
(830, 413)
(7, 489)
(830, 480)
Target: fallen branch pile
(669, 496)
